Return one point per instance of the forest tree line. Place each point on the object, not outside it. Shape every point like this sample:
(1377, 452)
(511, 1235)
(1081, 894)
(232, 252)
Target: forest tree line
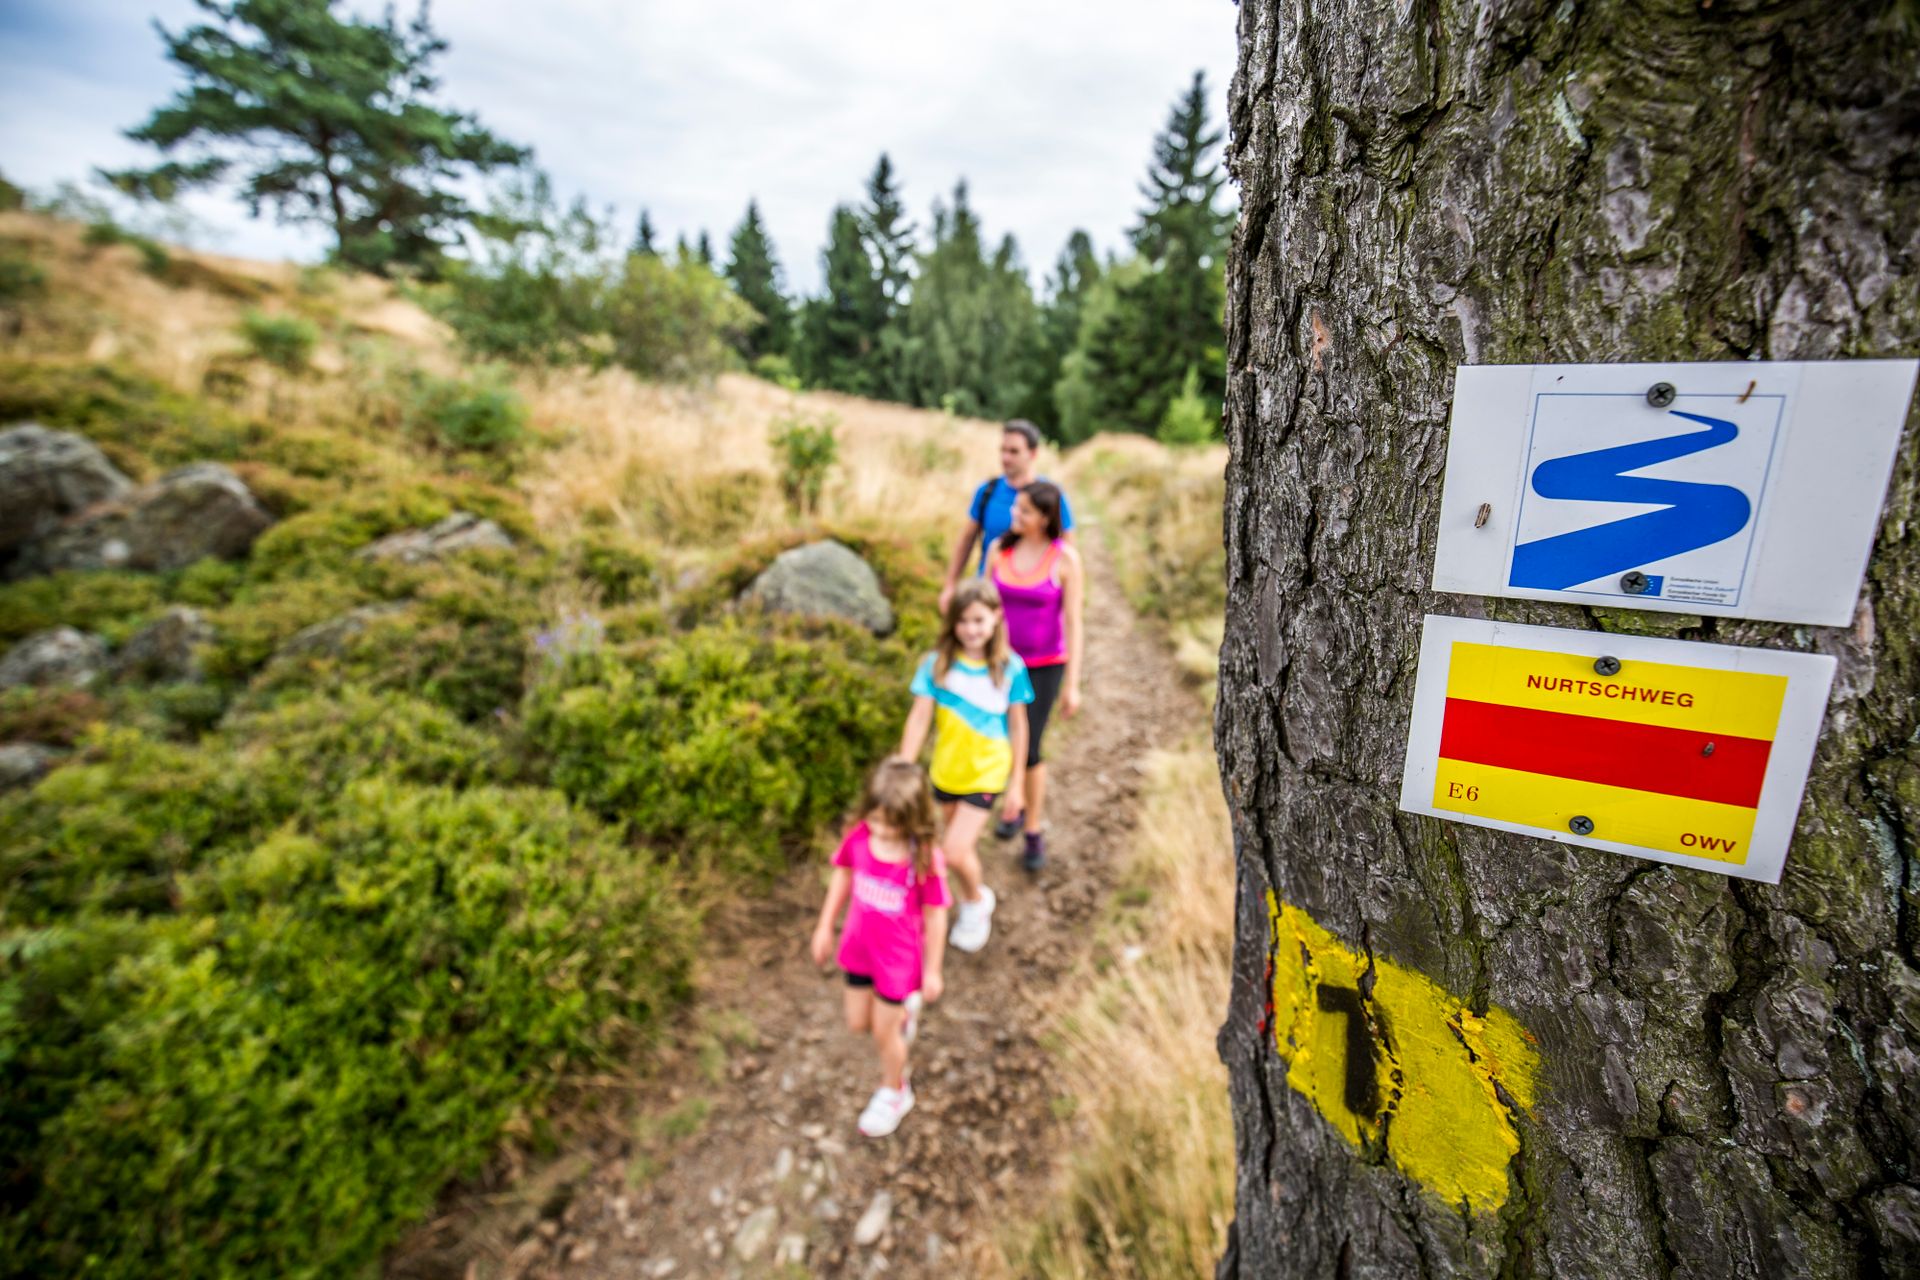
(330, 119)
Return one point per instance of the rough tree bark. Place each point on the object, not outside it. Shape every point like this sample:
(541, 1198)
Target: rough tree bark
(1729, 1078)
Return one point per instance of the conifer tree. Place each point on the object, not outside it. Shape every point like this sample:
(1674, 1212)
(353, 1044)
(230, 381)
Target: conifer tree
(643, 237)
(1169, 318)
(327, 119)
(755, 274)
(838, 328)
(970, 326)
(889, 234)
(703, 250)
(1075, 272)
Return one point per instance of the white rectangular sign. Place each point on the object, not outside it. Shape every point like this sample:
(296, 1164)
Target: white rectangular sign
(1737, 489)
(1693, 754)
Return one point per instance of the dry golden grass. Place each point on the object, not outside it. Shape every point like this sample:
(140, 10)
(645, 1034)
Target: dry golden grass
(691, 465)
(1147, 1192)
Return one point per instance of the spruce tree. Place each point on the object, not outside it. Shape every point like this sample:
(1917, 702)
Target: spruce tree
(971, 332)
(1075, 272)
(1169, 318)
(703, 250)
(838, 328)
(888, 233)
(643, 237)
(327, 119)
(755, 274)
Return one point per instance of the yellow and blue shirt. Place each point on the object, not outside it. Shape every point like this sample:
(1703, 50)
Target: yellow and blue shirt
(971, 751)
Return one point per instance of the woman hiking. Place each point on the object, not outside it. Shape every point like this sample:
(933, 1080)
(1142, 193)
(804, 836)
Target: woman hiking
(1042, 589)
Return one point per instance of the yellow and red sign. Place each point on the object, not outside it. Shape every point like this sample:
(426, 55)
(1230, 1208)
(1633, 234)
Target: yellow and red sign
(1682, 752)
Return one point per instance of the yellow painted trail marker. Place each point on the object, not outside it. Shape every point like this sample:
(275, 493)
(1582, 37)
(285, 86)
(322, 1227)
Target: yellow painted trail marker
(1405, 1065)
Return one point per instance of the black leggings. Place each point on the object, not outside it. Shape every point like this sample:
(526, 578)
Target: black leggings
(1046, 688)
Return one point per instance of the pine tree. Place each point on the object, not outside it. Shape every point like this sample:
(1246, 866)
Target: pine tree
(838, 328)
(325, 118)
(1075, 272)
(643, 237)
(703, 250)
(755, 274)
(888, 234)
(1170, 317)
(970, 329)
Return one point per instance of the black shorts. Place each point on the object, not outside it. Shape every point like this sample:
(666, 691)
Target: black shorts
(1046, 688)
(978, 799)
(862, 980)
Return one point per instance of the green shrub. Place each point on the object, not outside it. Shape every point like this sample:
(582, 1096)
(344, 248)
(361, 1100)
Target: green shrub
(806, 448)
(674, 320)
(56, 717)
(487, 416)
(155, 260)
(734, 744)
(20, 277)
(109, 601)
(139, 423)
(1189, 419)
(286, 342)
(778, 370)
(280, 1074)
(624, 574)
(11, 197)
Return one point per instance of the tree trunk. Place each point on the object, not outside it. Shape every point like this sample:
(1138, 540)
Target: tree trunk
(1633, 1070)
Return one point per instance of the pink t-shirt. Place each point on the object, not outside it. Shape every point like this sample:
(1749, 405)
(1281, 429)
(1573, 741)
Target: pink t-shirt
(882, 939)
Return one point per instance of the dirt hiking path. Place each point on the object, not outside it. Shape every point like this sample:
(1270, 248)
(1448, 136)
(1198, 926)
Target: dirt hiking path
(743, 1159)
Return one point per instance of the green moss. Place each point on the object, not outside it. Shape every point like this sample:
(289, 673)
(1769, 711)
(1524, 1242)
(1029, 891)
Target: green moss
(106, 601)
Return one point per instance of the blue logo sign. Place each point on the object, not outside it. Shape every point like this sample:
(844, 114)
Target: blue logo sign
(1695, 515)
(1593, 521)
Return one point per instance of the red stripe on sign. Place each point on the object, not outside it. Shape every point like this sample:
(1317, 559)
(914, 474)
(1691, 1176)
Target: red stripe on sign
(1617, 753)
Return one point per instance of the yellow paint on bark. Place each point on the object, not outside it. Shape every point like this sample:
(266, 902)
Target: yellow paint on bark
(1403, 1067)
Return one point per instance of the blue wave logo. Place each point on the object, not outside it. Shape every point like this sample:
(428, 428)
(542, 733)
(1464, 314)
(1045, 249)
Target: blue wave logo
(1695, 515)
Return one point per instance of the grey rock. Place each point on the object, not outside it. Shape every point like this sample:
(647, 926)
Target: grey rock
(461, 531)
(168, 648)
(873, 1223)
(824, 579)
(661, 1268)
(329, 639)
(46, 476)
(24, 763)
(186, 515)
(751, 1240)
(783, 1164)
(60, 656)
(791, 1251)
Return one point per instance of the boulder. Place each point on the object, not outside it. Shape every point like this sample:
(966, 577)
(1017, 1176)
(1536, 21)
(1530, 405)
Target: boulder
(46, 476)
(329, 639)
(24, 763)
(60, 656)
(824, 579)
(168, 648)
(197, 511)
(461, 531)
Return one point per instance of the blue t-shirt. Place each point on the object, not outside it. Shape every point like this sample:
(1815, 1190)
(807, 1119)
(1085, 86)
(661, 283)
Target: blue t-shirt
(994, 513)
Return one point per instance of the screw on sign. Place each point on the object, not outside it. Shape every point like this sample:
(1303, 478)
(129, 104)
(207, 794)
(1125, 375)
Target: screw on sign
(1400, 1061)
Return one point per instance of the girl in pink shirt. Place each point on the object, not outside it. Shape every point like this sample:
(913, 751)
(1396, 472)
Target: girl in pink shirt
(892, 880)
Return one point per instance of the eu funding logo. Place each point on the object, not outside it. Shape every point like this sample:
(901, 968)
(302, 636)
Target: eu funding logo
(1630, 501)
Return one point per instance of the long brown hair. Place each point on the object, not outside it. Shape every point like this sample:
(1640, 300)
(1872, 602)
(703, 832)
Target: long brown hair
(1044, 497)
(971, 592)
(898, 792)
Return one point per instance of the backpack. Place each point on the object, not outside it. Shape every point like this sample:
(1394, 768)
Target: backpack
(980, 518)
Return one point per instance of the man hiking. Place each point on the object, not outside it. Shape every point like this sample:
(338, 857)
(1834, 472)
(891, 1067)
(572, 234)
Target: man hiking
(990, 514)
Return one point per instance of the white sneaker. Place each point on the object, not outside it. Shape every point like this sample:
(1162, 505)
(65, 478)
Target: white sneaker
(886, 1109)
(912, 1004)
(973, 923)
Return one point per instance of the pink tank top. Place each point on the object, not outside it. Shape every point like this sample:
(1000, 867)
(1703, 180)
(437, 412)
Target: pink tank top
(1035, 607)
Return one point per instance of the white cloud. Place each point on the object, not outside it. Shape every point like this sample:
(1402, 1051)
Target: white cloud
(1047, 109)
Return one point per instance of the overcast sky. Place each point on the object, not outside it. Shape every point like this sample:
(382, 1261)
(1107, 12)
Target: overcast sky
(1047, 108)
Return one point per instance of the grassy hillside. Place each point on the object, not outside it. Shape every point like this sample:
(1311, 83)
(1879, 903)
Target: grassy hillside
(287, 945)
